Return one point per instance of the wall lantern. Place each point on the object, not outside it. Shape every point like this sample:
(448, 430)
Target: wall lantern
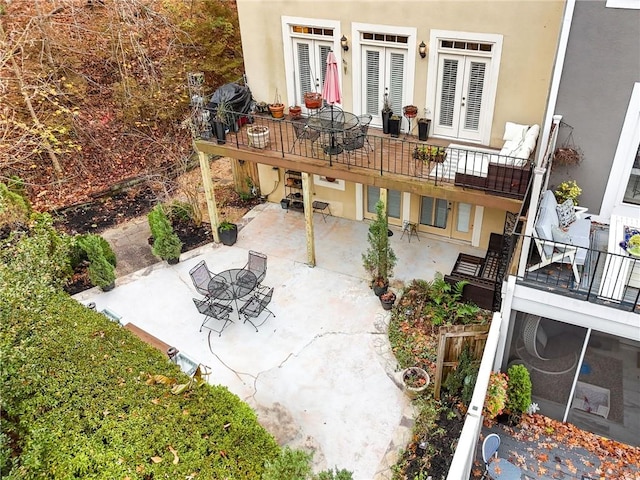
(343, 43)
(422, 48)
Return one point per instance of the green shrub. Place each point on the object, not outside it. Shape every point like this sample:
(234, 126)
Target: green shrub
(335, 474)
(77, 402)
(496, 398)
(181, 210)
(518, 389)
(461, 381)
(101, 271)
(166, 243)
(14, 207)
(289, 465)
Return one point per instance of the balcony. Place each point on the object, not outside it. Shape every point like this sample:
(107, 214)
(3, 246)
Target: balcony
(600, 273)
(484, 172)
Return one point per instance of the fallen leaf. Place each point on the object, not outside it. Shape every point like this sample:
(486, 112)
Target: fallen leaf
(156, 459)
(176, 459)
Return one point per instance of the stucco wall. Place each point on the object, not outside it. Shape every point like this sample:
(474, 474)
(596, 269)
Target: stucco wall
(602, 64)
(530, 31)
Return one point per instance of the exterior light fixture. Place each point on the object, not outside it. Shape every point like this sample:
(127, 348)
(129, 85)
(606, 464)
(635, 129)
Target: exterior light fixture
(343, 43)
(422, 48)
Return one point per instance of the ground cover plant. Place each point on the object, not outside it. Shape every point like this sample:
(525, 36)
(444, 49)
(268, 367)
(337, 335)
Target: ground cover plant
(80, 396)
(422, 309)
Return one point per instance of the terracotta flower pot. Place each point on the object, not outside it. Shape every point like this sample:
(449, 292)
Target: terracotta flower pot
(277, 110)
(295, 111)
(312, 100)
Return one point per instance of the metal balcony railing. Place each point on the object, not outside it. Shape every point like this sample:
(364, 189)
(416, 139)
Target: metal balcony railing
(441, 164)
(605, 278)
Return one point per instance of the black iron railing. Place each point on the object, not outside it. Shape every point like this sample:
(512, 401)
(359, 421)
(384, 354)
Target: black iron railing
(479, 169)
(605, 278)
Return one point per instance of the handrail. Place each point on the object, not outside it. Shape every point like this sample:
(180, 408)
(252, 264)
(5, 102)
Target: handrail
(475, 168)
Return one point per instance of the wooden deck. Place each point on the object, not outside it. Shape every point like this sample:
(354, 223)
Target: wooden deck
(384, 161)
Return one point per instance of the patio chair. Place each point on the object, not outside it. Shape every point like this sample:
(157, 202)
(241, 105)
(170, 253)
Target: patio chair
(506, 469)
(257, 264)
(364, 122)
(254, 307)
(303, 132)
(201, 276)
(214, 311)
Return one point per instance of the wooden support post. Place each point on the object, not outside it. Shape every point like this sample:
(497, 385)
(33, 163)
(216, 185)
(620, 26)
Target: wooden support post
(209, 194)
(308, 218)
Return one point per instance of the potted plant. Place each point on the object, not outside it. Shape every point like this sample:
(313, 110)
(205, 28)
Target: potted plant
(410, 111)
(387, 299)
(430, 153)
(312, 100)
(567, 156)
(221, 120)
(386, 113)
(394, 125)
(518, 392)
(568, 190)
(379, 259)
(277, 107)
(258, 136)
(415, 381)
(262, 107)
(295, 111)
(228, 233)
(166, 244)
(423, 129)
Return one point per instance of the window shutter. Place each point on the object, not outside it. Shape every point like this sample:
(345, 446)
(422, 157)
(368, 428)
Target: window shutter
(323, 54)
(396, 81)
(448, 92)
(372, 82)
(474, 95)
(305, 79)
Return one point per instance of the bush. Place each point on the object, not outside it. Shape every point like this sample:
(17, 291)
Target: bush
(77, 403)
(289, 465)
(335, 474)
(496, 398)
(518, 389)
(166, 243)
(101, 270)
(461, 381)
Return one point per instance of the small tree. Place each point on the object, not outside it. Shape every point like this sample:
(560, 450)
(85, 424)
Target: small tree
(518, 389)
(379, 259)
(166, 243)
(101, 271)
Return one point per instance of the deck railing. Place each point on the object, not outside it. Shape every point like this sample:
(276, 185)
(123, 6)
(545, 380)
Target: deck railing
(609, 279)
(479, 169)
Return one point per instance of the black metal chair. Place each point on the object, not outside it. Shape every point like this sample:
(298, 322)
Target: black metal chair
(303, 132)
(214, 311)
(363, 123)
(201, 276)
(254, 307)
(354, 141)
(257, 264)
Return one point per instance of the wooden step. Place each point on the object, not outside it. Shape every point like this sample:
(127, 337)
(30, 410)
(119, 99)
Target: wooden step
(147, 338)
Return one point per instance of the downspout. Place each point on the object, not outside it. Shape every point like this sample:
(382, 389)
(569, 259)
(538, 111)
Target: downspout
(547, 145)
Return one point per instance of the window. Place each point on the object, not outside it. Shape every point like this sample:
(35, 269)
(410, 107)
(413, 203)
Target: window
(394, 201)
(433, 212)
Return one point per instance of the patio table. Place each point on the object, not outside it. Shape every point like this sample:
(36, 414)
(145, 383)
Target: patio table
(334, 122)
(232, 284)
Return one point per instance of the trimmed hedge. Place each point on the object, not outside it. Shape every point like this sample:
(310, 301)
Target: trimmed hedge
(75, 402)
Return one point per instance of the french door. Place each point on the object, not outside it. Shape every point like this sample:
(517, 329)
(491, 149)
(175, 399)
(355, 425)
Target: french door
(383, 72)
(448, 219)
(460, 96)
(394, 204)
(310, 65)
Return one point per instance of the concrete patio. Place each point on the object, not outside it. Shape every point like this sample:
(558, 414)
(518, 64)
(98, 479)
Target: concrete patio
(319, 373)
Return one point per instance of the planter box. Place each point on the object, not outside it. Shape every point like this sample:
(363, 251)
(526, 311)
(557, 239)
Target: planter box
(228, 237)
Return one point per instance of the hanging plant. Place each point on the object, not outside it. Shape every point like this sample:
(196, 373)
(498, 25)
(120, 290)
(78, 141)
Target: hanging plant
(567, 156)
